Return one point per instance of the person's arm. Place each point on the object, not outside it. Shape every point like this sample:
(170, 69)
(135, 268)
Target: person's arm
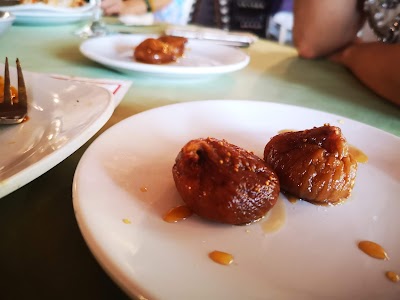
(135, 7)
(321, 27)
(376, 64)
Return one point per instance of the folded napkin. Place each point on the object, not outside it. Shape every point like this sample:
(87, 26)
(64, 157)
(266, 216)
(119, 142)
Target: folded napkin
(118, 88)
(138, 20)
(233, 38)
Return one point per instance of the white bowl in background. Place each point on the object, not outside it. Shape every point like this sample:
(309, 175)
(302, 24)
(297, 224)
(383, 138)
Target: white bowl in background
(6, 20)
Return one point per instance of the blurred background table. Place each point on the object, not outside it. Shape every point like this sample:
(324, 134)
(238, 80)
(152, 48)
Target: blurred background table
(42, 253)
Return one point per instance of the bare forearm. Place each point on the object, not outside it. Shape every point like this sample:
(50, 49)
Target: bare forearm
(139, 6)
(321, 27)
(135, 7)
(159, 4)
(377, 65)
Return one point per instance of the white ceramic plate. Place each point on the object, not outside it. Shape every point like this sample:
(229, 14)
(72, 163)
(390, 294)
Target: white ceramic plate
(201, 58)
(6, 20)
(313, 256)
(63, 115)
(41, 7)
(43, 14)
(49, 18)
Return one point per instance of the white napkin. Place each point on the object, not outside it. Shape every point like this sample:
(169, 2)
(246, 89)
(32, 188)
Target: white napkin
(118, 88)
(131, 20)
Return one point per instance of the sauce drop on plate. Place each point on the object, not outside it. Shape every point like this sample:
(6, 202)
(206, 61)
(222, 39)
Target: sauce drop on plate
(177, 214)
(358, 155)
(276, 218)
(220, 257)
(286, 130)
(373, 249)
(292, 199)
(392, 276)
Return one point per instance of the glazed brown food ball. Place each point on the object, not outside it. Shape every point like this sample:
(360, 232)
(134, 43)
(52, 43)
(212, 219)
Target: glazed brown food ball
(177, 42)
(314, 165)
(160, 51)
(224, 183)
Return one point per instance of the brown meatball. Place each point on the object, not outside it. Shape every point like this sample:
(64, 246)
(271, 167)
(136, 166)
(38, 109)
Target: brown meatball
(314, 165)
(224, 183)
(160, 51)
(177, 42)
(153, 51)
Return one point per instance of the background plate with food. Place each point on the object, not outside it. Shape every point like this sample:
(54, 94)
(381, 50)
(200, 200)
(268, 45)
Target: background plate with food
(199, 58)
(50, 13)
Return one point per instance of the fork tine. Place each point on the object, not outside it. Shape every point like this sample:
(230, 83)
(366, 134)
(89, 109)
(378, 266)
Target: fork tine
(7, 93)
(13, 112)
(22, 98)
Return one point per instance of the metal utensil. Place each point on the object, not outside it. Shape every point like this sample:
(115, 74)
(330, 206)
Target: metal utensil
(13, 111)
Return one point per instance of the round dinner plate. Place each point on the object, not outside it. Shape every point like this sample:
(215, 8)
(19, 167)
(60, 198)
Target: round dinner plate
(41, 7)
(6, 20)
(62, 116)
(43, 14)
(123, 186)
(200, 58)
(49, 18)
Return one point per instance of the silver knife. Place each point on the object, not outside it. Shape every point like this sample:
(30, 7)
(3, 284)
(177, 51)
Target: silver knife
(220, 42)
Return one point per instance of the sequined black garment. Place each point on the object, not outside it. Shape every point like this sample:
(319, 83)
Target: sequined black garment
(384, 18)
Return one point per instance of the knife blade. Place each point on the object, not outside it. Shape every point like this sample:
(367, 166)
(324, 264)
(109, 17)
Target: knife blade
(240, 44)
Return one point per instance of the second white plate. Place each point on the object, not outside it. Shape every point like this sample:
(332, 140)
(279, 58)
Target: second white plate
(41, 7)
(62, 116)
(49, 18)
(201, 58)
(123, 186)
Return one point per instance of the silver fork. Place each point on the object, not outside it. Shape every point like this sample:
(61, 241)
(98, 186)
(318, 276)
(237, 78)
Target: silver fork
(13, 112)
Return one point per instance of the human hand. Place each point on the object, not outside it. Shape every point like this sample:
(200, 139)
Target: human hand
(342, 56)
(338, 57)
(111, 7)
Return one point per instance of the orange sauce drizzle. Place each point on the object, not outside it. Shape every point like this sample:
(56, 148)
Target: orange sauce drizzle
(276, 218)
(292, 199)
(177, 214)
(358, 155)
(286, 130)
(392, 276)
(373, 249)
(220, 257)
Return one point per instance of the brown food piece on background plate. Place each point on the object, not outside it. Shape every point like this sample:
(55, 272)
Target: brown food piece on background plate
(165, 49)
(177, 42)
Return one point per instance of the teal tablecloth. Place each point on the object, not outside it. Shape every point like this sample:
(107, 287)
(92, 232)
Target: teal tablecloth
(42, 253)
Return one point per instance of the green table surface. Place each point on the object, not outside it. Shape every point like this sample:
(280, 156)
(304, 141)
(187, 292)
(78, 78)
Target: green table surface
(42, 252)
